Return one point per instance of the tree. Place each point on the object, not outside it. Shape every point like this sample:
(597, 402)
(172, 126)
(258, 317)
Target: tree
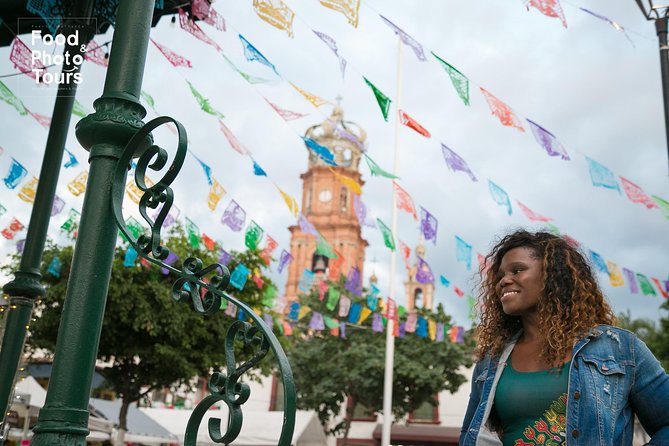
(647, 330)
(330, 370)
(151, 341)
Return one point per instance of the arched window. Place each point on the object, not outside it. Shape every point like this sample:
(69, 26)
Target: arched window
(308, 201)
(418, 297)
(343, 200)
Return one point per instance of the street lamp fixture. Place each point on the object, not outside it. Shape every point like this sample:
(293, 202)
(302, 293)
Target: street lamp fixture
(658, 13)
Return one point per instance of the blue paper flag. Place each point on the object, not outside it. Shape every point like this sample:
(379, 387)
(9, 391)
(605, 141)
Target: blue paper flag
(239, 276)
(294, 311)
(251, 54)
(130, 257)
(72, 160)
(306, 281)
(54, 267)
(205, 167)
(322, 151)
(241, 315)
(463, 252)
(444, 281)
(257, 170)
(421, 329)
(599, 262)
(16, 173)
(500, 197)
(354, 313)
(602, 176)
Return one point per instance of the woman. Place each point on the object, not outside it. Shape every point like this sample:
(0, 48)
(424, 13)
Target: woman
(553, 370)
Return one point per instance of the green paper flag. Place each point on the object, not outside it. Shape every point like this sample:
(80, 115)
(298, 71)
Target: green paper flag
(459, 80)
(388, 238)
(149, 100)
(253, 235)
(382, 99)
(333, 298)
(193, 233)
(646, 287)
(471, 304)
(7, 96)
(401, 311)
(204, 102)
(253, 79)
(323, 248)
(269, 295)
(279, 326)
(135, 227)
(330, 323)
(376, 170)
(71, 220)
(79, 110)
(663, 205)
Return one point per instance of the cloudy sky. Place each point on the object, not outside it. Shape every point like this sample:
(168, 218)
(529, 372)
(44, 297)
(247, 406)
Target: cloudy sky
(595, 88)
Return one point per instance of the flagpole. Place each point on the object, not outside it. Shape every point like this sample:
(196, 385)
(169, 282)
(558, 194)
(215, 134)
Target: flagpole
(390, 328)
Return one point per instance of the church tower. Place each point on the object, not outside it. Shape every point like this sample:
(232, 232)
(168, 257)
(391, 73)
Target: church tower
(417, 292)
(329, 205)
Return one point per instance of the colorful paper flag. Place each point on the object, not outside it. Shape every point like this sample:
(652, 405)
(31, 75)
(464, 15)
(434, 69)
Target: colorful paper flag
(382, 99)
(130, 257)
(257, 170)
(375, 170)
(232, 139)
(15, 175)
(306, 226)
(347, 7)
(276, 13)
(78, 185)
(284, 259)
(549, 8)
(321, 151)
(459, 80)
(333, 298)
(350, 183)
(406, 39)
(9, 97)
(191, 27)
(287, 115)
(663, 205)
(410, 122)
(270, 246)
(423, 272)
(56, 208)
(28, 191)
(646, 287)
(444, 281)
(204, 102)
(208, 242)
(601, 175)
(636, 194)
(254, 234)
(54, 267)
(529, 213)
(251, 54)
(599, 262)
(548, 141)
(324, 248)
(315, 100)
(503, 112)
(175, 59)
(630, 278)
(330, 42)
(290, 202)
(463, 252)
(387, 234)
(428, 225)
(455, 162)
(615, 275)
(216, 192)
(353, 281)
(500, 197)
(97, 53)
(71, 160)
(660, 287)
(234, 216)
(22, 58)
(239, 276)
(361, 212)
(404, 200)
(344, 306)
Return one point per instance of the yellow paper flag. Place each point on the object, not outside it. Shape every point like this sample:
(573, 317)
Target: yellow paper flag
(347, 7)
(78, 185)
(134, 192)
(276, 13)
(304, 310)
(615, 275)
(432, 329)
(28, 191)
(315, 100)
(348, 182)
(364, 314)
(216, 192)
(290, 202)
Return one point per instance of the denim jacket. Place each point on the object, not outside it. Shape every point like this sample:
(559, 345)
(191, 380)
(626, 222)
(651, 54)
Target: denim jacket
(612, 377)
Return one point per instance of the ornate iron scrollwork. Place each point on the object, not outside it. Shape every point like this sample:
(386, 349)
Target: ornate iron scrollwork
(224, 387)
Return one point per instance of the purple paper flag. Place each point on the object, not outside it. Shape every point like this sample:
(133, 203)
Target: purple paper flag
(342, 133)
(306, 226)
(424, 272)
(548, 141)
(231, 309)
(377, 323)
(406, 39)
(402, 329)
(284, 260)
(170, 218)
(630, 278)
(316, 322)
(344, 306)
(20, 245)
(267, 319)
(234, 216)
(330, 42)
(353, 281)
(169, 260)
(342, 330)
(455, 163)
(58, 205)
(224, 257)
(428, 225)
(361, 212)
(440, 332)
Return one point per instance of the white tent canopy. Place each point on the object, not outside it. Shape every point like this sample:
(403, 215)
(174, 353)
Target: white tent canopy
(258, 428)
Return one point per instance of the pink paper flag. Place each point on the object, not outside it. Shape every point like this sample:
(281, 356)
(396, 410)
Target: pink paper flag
(412, 124)
(287, 115)
(173, 58)
(21, 56)
(550, 8)
(636, 194)
(96, 54)
(503, 112)
(404, 200)
(529, 213)
(232, 139)
(406, 254)
(191, 27)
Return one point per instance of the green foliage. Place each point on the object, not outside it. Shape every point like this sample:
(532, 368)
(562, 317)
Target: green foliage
(656, 338)
(328, 369)
(151, 341)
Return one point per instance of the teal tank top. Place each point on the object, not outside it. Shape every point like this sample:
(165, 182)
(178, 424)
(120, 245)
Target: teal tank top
(531, 407)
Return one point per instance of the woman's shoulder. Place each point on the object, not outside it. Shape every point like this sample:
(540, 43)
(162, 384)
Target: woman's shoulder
(610, 337)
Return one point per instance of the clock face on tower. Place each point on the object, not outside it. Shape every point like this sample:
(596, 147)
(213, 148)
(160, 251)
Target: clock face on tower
(325, 195)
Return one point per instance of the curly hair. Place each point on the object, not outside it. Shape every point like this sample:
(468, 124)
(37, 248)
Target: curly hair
(570, 305)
